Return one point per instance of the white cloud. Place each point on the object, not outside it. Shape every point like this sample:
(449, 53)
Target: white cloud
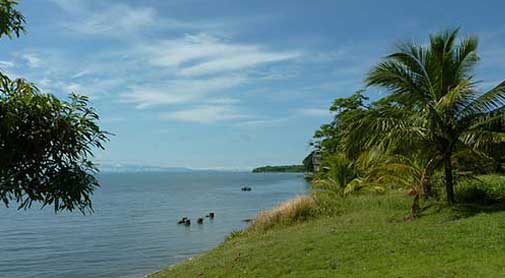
(223, 100)
(170, 53)
(236, 62)
(111, 20)
(160, 61)
(179, 91)
(270, 122)
(6, 64)
(81, 74)
(203, 54)
(118, 19)
(204, 114)
(32, 60)
(145, 97)
(95, 87)
(316, 112)
(70, 6)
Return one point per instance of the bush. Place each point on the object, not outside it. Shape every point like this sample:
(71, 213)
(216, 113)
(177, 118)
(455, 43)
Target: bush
(484, 190)
(337, 169)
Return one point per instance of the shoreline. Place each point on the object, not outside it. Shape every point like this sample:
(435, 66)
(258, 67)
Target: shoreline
(283, 207)
(370, 227)
(249, 224)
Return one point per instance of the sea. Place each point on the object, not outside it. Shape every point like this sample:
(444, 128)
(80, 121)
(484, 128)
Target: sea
(133, 230)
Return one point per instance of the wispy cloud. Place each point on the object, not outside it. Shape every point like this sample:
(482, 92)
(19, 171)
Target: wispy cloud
(118, 19)
(189, 65)
(69, 6)
(112, 20)
(6, 64)
(205, 114)
(268, 122)
(32, 59)
(317, 112)
(203, 54)
(200, 68)
(223, 100)
(179, 91)
(236, 62)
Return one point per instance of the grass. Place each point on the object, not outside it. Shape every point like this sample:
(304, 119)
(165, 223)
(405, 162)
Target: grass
(365, 236)
(298, 209)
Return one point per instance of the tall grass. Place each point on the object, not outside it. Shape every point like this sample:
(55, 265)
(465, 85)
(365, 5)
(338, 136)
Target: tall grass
(292, 211)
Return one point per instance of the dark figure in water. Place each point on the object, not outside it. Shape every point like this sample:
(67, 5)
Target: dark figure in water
(199, 221)
(183, 220)
(187, 222)
(246, 188)
(210, 215)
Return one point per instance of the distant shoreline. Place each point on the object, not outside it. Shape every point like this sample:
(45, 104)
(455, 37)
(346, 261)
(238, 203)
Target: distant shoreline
(280, 169)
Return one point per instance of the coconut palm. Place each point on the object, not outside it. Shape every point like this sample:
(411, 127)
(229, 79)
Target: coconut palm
(434, 101)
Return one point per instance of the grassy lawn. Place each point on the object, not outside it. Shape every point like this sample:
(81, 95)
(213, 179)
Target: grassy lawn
(365, 236)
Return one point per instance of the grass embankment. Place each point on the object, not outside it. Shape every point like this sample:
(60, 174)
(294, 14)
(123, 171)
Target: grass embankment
(365, 236)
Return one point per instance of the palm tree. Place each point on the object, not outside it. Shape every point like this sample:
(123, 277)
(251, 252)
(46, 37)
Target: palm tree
(433, 99)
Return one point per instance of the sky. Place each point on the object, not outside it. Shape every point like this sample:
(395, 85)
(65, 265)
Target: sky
(226, 84)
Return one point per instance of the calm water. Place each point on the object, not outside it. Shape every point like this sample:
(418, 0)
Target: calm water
(133, 230)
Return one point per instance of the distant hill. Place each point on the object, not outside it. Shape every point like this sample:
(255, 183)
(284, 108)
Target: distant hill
(280, 169)
(120, 168)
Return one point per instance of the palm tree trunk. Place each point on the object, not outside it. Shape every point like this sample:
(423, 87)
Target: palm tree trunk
(449, 186)
(425, 178)
(426, 185)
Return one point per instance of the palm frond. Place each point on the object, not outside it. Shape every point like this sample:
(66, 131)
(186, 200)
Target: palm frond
(487, 102)
(481, 139)
(466, 55)
(456, 99)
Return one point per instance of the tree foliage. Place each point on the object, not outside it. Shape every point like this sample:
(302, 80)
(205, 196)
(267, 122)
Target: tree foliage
(440, 102)
(280, 169)
(46, 144)
(433, 114)
(11, 20)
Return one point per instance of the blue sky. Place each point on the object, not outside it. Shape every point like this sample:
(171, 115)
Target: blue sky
(226, 84)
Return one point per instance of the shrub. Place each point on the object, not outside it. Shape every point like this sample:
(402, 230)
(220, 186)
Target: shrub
(337, 169)
(485, 190)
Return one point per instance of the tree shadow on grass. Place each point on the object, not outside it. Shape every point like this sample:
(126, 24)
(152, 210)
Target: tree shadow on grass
(470, 201)
(466, 210)
(476, 200)
(463, 209)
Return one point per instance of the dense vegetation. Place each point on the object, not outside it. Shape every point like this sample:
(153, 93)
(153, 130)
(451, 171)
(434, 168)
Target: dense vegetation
(45, 143)
(433, 127)
(281, 169)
